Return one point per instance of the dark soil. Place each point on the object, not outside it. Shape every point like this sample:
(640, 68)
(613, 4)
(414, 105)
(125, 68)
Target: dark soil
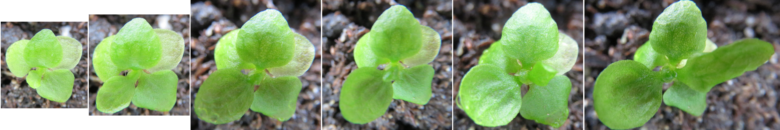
(15, 91)
(345, 22)
(102, 26)
(213, 19)
(479, 23)
(616, 28)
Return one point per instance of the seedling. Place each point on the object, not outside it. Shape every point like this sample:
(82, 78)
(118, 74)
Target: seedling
(392, 62)
(629, 92)
(46, 60)
(147, 56)
(531, 52)
(257, 68)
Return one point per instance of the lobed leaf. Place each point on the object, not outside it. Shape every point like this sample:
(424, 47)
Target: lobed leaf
(414, 84)
(627, 94)
(565, 57)
(685, 98)
(727, 62)
(115, 94)
(156, 91)
(364, 56)
(431, 43)
(490, 96)
(71, 52)
(648, 57)
(136, 46)
(277, 97)
(172, 50)
(530, 35)
(548, 104)
(267, 31)
(396, 34)
(56, 85)
(14, 57)
(365, 96)
(679, 31)
(101, 60)
(43, 50)
(495, 56)
(224, 97)
(304, 56)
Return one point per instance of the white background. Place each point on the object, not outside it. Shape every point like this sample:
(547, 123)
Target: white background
(79, 10)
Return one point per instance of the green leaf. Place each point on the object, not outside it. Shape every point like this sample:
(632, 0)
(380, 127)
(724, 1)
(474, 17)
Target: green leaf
(156, 91)
(225, 53)
(115, 94)
(71, 52)
(565, 57)
(627, 94)
(548, 104)
(541, 74)
(495, 56)
(304, 56)
(43, 50)
(365, 96)
(14, 57)
(396, 34)
(172, 50)
(56, 85)
(490, 96)
(277, 97)
(685, 98)
(364, 56)
(727, 62)
(267, 31)
(530, 35)
(679, 32)
(430, 48)
(711, 46)
(136, 46)
(224, 97)
(101, 60)
(647, 56)
(34, 78)
(414, 84)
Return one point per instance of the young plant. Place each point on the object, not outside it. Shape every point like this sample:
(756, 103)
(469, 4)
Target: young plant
(392, 62)
(531, 52)
(46, 60)
(135, 66)
(629, 92)
(257, 68)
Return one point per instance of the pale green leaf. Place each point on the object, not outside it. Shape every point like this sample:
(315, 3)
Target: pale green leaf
(495, 56)
(101, 60)
(225, 53)
(34, 78)
(530, 35)
(365, 96)
(364, 56)
(267, 31)
(172, 50)
(43, 50)
(71, 52)
(304, 56)
(414, 84)
(136, 46)
(56, 85)
(430, 48)
(156, 91)
(548, 104)
(489, 96)
(396, 34)
(115, 94)
(224, 97)
(565, 57)
(277, 97)
(14, 57)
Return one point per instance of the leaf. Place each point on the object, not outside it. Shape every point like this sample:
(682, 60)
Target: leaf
(14, 57)
(548, 104)
(565, 57)
(71, 52)
(115, 94)
(34, 78)
(304, 56)
(136, 46)
(101, 60)
(396, 34)
(172, 50)
(430, 48)
(226, 55)
(489, 96)
(156, 91)
(727, 62)
(56, 85)
(43, 50)
(685, 98)
(364, 56)
(267, 31)
(414, 84)
(365, 96)
(277, 97)
(541, 74)
(627, 94)
(647, 56)
(679, 32)
(495, 56)
(219, 103)
(530, 35)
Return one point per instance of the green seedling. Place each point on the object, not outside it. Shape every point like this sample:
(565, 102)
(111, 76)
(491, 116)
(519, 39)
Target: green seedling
(392, 62)
(147, 56)
(257, 68)
(531, 52)
(629, 92)
(46, 60)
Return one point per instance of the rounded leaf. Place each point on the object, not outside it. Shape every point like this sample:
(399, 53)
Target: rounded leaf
(430, 48)
(224, 97)
(71, 52)
(43, 50)
(34, 78)
(414, 84)
(364, 56)
(56, 85)
(495, 56)
(136, 46)
(727, 62)
(548, 104)
(277, 97)
(115, 94)
(648, 57)
(566, 56)
(101, 60)
(396, 34)
(679, 32)
(156, 91)
(365, 96)
(627, 94)
(14, 57)
(530, 35)
(225, 53)
(267, 31)
(685, 98)
(172, 50)
(489, 96)
(304, 56)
